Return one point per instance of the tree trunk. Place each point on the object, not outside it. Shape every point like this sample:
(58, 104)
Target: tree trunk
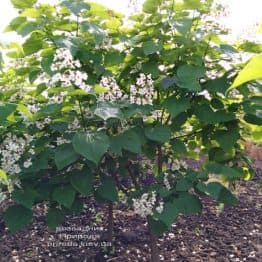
(154, 253)
(110, 223)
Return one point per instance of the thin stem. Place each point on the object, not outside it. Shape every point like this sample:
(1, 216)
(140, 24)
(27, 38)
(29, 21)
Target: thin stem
(82, 115)
(159, 159)
(118, 184)
(190, 134)
(168, 119)
(137, 186)
(110, 223)
(77, 26)
(153, 245)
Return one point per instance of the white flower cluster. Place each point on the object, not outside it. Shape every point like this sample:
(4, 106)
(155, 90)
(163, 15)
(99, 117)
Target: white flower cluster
(61, 141)
(74, 125)
(68, 74)
(177, 164)
(145, 205)
(114, 92)
(142, 93)
(166, 181)
(11, 151)
(41, 124)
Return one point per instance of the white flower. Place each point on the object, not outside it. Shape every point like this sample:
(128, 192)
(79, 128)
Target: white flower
(11, 151)
(28, 163)
(166, 181)
(61, 141)
(69, 74)
(74, 125)
(145, 205)
(177, 164)
(160, 208)
(143, 92)
(39, 125)
(113, 93)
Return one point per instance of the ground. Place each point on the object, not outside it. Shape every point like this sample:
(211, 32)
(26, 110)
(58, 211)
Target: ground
(233, 234)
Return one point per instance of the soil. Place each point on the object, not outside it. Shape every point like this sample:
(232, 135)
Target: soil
(231, 234)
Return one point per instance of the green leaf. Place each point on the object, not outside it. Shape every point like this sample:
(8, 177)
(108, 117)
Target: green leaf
(151, 68)
(33, 43)
(175, 106)
(16, 217)
(178, 146)
(253, 119)
(159, 133)
(252, 71)
(130, 140)
(82, 182)
(157, 226)
(91, 145)
(189, 77)
(76, 6)
(25, 197)
(3, 177)
(64, 195)
(107, 110)
(206, 114)
(183, 25)
(216, 168)
(64, 156)
(22, 4)
(114, 58)
(219, 85)
(31, 12)
(54, 218)
(150, 47)
(113, 23)
(188, 204)
(26, 28)
(150, 6)
(15, 24)
(218, 154)
(98, 33)
(107, 190)
(227, 138)
(183, 184)
(6, 110)
(168, 81)
(192, 4)
(169, 214)
(220, 193)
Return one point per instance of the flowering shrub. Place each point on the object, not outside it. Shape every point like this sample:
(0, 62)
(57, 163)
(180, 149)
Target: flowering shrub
(112, 110)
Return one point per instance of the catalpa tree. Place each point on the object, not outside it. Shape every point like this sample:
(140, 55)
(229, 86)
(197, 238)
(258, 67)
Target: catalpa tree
(92, 106)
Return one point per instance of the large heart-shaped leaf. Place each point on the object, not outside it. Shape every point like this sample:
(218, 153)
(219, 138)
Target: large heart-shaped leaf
(64, 195)
(159, 133)
(65, 155)
(82, 182)
(91, 145)
(16, 217)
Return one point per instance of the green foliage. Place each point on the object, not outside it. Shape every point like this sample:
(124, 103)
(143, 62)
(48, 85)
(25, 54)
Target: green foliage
(22, 4)
(133, 100)
(10, 217)
(107, 190)
(64, 195)
(91, 145)
(54, 218)
(82, 182)
(252, 71)
(65, 155)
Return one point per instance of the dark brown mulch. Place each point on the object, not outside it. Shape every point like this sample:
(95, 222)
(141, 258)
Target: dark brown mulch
(232, 235)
